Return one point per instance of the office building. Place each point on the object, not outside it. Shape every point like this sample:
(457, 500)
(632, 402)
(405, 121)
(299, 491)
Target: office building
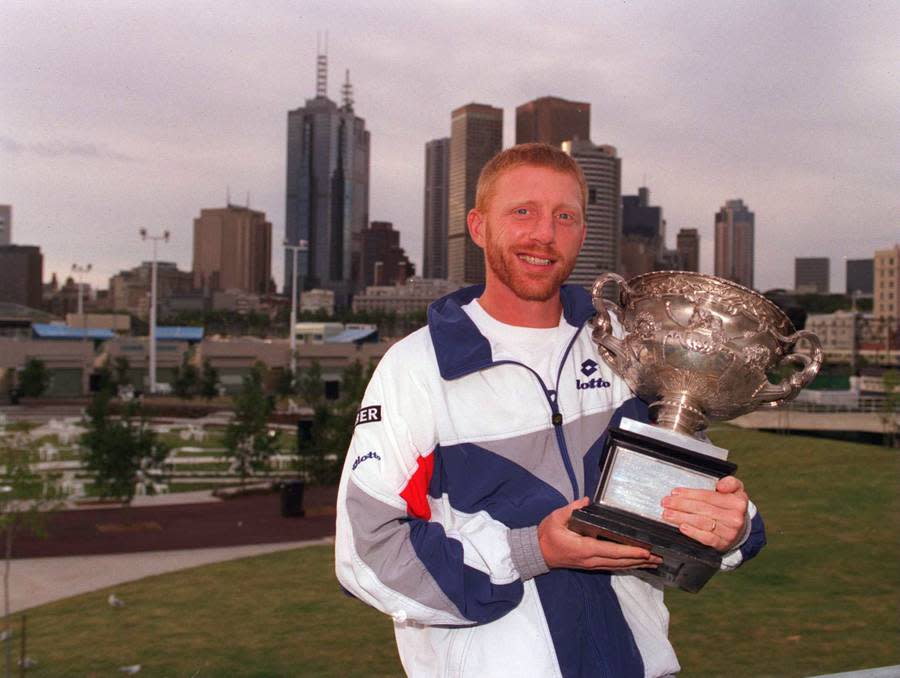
(437, 186)
(886, 302)
(734, 243)
(384, 261)
(603, 176)
(232, 250)
(129, 290)
(21, 274)
(551, 120)
(643, 234)
(687, 243)
(327, 194)
(411, 297)
(476, 135)
(5, 225)
(812, 275)
(860, 276)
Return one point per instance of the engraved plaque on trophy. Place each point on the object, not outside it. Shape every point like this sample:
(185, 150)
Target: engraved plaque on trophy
(696, 348)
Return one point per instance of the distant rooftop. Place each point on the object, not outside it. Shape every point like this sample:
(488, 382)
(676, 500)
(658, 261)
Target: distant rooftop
(48, 331)
(175, 333)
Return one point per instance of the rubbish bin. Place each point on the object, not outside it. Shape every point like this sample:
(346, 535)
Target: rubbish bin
(292, 499)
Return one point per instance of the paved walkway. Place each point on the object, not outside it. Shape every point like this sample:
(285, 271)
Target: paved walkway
(92, 547)
(36, 581)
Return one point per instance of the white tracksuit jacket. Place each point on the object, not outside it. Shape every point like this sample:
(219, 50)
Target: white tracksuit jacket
(457, 456)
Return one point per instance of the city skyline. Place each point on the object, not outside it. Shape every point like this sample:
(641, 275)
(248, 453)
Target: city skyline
(138, 120)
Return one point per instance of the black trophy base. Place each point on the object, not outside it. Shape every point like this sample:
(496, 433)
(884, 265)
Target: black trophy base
(687, 563)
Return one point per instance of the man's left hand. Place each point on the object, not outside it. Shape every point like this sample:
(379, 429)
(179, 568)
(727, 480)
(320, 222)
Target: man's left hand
(715, 518)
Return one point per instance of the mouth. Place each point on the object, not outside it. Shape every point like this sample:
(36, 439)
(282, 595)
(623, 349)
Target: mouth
(535, 261)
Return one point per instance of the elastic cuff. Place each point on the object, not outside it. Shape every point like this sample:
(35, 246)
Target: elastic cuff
(526, 552)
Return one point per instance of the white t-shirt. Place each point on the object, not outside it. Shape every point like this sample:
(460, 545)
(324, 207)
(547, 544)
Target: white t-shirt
(540, 348)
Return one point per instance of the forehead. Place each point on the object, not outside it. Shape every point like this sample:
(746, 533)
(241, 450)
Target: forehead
(531, 183)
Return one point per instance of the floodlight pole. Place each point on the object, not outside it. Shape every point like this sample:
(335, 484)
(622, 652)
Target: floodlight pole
(152, 366)
(301, 246)
(80, 271)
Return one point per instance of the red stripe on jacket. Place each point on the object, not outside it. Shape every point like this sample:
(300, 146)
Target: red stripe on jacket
(415, 494)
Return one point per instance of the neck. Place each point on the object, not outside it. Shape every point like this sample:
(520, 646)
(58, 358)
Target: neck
(502, 304)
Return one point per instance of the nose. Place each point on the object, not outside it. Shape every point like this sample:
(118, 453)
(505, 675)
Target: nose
(544, 230)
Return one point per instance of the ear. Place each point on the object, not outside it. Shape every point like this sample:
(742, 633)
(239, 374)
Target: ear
(477, 227)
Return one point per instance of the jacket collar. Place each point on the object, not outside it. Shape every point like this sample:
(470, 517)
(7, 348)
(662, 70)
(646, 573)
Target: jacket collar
(462, 349)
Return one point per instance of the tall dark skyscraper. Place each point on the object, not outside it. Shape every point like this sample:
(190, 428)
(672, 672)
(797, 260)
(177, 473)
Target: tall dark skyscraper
(687, 243)
(643, 234)
(811, 275)
(603, 216)
(476, 135)
(437, 187)
(327, 197)
(735, 225)
(860, 274)
(552, 120)
(5, 224)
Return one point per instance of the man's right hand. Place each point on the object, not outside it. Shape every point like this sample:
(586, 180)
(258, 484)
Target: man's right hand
(563, 548)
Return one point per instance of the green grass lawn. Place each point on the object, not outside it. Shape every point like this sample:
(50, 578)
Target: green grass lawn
(822, 597)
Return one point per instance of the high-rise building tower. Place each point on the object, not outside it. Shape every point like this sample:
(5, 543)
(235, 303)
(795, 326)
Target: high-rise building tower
(384, 261)
(811, 275)
(437, 186)
(5, 224)
(21, 275)
(327, 197)
(643, 234)
(232, 250)
(603, 216)
(551, 120)
(476, 135)
(687, 243)
(860, 274)
(734, 243)
(886, 302)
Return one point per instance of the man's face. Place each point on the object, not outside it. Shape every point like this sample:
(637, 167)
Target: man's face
(531, 231)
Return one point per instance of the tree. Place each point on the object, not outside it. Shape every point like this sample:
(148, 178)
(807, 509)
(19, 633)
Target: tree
(247, 438)
(26, 499)
(120, 453)
(121, 368)
(285, 385)
(34, 379)
(209, 381)
(310, 385)
(186, 379)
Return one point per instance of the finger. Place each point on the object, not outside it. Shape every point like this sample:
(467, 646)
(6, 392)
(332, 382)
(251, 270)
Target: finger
(600, 548)
(702, 515)
(729, 484)
(704, 537)
(563, 513)
(617, 563)
(681, 495)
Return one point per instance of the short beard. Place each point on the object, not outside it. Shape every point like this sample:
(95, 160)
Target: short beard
(524, 287)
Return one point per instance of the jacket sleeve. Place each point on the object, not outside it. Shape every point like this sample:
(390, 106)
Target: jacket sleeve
(396, 547)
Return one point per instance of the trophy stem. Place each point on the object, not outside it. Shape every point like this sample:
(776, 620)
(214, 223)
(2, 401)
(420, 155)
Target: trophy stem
(680, 414)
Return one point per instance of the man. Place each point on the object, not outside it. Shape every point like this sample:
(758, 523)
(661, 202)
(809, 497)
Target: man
(474, 445)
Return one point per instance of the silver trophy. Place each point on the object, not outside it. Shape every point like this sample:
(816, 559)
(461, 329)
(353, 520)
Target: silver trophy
(695, 348)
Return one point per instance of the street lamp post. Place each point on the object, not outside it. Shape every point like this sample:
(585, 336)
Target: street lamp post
(80, 271)
(301, 246)
(152, 367)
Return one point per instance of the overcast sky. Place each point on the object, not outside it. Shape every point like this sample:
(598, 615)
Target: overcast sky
(120, 115)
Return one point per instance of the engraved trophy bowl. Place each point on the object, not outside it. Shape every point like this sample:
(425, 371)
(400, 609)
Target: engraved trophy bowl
(700, 348)
(696, 348)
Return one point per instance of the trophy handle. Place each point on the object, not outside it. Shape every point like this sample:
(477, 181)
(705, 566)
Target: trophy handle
(773, 395)
(611, 348)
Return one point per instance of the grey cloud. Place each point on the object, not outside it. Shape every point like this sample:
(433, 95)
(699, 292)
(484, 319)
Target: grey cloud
(62, 149)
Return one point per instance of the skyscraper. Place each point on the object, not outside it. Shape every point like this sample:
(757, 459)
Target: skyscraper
(811, 275)
(232, 250)
(476, 135)
(5, 224)
(437, 185)
(603, 216)
(886, 303)
(643, 237)
(384, 261)
(21, 275)
(327, 196)
(551, 120)
(687, 243)
(734, 243)
(860, 274)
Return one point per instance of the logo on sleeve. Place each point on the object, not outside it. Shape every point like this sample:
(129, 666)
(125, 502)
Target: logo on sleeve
(365, 457)
(368, 414)
(588, 367)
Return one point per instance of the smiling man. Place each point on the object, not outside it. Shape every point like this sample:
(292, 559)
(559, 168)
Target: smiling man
(481, 436)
